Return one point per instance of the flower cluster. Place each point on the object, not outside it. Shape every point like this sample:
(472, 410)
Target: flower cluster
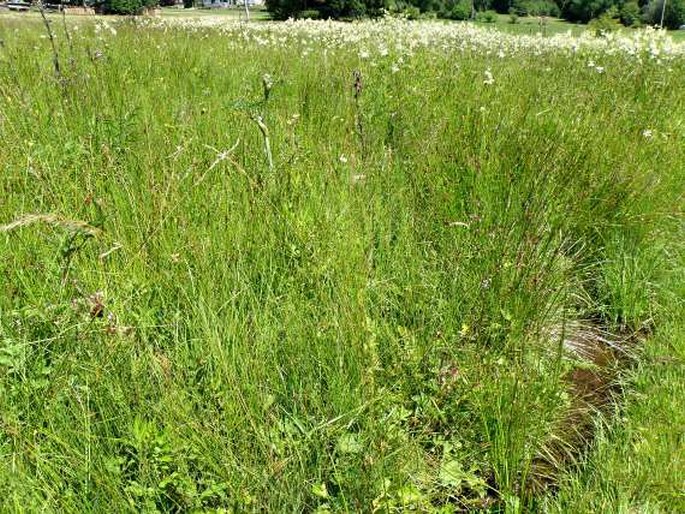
(393, 37)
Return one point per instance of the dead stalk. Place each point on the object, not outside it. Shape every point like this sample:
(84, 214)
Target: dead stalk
(51, 36)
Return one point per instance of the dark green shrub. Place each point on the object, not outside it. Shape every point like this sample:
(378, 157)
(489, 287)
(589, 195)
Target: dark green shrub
(336, 9)
(126, 7)
(460, 10)
(513, 16)
(536, 8)
(411, 12)
(284, 9)
(607, 22)
(585, 10)
(309, 14)
(630, 14)
(486, 17)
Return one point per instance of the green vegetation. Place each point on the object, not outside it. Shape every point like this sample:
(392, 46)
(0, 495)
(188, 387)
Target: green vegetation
(127, 6)
(238, 13)
(527, 25)
(638, 464)
(629, 13)
(336, 9)
(322, 269)
(122, 7)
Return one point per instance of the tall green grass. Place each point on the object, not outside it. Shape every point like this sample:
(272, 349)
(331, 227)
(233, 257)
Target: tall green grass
(368, 324)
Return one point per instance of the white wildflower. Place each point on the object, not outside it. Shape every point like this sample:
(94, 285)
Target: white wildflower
(489, 79)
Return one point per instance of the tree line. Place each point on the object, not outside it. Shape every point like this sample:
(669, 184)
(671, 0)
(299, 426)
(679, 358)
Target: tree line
(630, 13)
(627, 12)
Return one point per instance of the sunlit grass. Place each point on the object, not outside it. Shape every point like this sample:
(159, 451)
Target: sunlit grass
(375, 320)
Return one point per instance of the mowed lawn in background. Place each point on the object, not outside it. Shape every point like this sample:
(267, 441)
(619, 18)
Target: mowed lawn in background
(256, 13)
(336, 268)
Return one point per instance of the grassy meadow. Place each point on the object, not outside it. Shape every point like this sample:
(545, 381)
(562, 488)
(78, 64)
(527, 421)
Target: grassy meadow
(320, 267)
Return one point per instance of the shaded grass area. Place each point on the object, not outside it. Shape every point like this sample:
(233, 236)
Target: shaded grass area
(532, 25)
(637, 463)
(369, 322)
(234, 13)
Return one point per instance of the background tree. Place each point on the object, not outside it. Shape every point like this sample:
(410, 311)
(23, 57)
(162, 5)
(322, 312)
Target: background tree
(630, 13)
(674, 14)
(284, 9)
(336, 9)
(127, 7)
(585, 10)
